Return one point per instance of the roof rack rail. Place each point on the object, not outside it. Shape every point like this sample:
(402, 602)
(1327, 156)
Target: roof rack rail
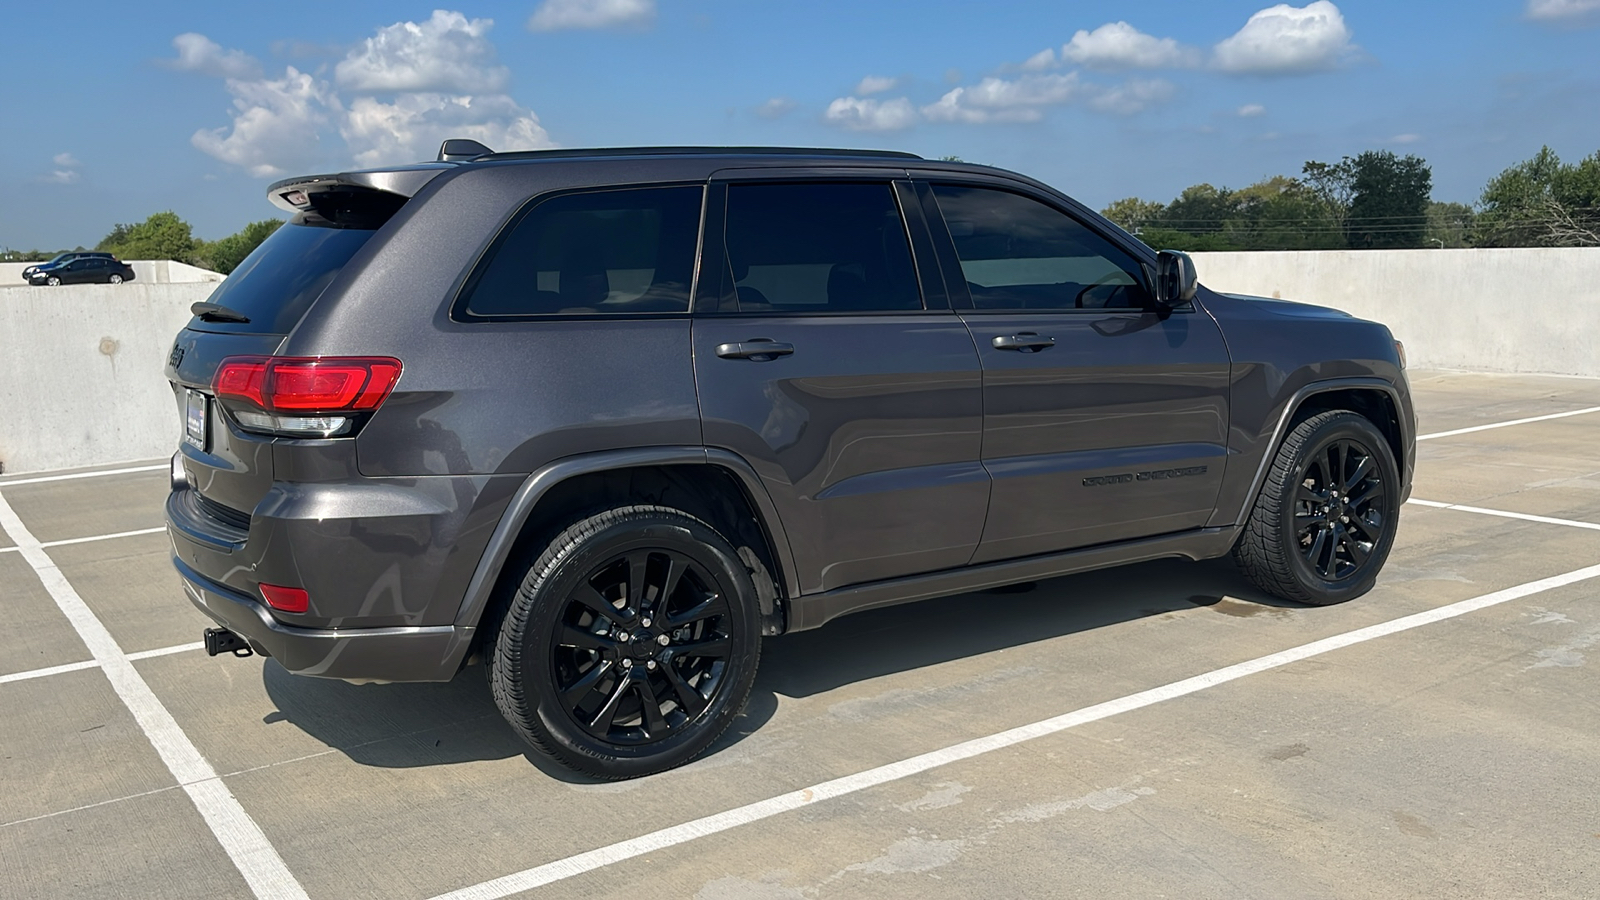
(578, 153)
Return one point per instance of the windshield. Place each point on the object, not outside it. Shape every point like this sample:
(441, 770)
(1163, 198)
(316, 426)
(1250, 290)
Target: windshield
(277, 283)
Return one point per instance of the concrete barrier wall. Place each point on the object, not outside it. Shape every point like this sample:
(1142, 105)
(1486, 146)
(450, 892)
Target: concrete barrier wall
(1532, 310)
(81, 379)
(145, 271)
(81, 366)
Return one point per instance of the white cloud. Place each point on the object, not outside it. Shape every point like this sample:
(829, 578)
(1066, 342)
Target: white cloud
(1040, 61)
(1003, 100)
(60, 176)
(66, 161)
(448, 52)
(555, 15)
(1132, 97)
(871, 115)
(1563, 11)
(776, 108)
(1118, 45)
(276, 124)
(1284, 39)
(873, 84)
(198, 53)
(413, 126)
(1251, 110)
(1405, 139)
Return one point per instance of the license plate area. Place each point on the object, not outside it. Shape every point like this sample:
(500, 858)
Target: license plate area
(196, 413)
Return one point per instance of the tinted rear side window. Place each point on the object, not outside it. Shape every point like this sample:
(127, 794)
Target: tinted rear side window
(622, 252)
(819, 248)
(277, 283)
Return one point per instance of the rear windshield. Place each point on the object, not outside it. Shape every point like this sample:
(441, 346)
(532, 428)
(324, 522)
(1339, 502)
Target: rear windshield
(276, 284)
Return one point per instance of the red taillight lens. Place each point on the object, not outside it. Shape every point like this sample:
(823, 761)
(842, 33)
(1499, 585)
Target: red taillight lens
(287, 599)
(321, 385)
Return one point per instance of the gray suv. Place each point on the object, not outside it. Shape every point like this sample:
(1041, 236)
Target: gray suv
(605, 419)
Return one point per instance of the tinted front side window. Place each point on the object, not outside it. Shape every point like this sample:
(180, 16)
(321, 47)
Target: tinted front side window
(622, 251)
(1018, 253)
(823, 248)
(280, 279)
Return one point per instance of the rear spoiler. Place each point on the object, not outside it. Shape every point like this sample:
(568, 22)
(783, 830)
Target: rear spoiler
(403, 182)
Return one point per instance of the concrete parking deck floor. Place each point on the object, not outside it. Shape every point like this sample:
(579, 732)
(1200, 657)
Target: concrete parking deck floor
(1449, 755)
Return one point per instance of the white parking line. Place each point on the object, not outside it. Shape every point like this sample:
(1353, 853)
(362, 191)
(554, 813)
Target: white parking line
(241, 838)
(76, 475)
(1561, 415)
(680, 834)
(1506, 514)
(91, 538)
(52, 670)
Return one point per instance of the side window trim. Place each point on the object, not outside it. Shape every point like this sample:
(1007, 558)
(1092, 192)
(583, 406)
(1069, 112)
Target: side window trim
(950, 259)
(713, 285)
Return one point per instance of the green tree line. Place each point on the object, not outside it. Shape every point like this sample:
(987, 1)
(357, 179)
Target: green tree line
(1377, 200)
(166, 236)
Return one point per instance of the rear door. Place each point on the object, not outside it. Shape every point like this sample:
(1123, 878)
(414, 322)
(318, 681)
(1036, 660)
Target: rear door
(1104, 419)
(818, 360)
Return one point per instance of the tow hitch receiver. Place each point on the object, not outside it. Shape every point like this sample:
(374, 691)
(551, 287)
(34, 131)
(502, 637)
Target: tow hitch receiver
(221, 640)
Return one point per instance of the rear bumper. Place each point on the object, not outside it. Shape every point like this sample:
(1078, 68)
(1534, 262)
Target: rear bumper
(432, 653)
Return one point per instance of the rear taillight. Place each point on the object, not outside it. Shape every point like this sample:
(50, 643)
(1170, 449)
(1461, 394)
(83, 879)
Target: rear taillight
(304, 396)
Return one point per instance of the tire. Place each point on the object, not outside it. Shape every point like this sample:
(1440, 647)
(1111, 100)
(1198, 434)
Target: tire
(116, 279)
(1306, 539)
(52, 281)
(657, 696)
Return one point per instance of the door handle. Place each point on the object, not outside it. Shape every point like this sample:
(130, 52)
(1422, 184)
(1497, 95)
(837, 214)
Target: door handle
(758, 349)
(1024, 342)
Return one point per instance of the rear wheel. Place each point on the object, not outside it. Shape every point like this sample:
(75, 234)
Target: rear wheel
(1325, 520)
(116, 279)
(631, 645)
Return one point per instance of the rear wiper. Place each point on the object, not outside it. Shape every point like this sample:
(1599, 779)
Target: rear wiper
(216, 312)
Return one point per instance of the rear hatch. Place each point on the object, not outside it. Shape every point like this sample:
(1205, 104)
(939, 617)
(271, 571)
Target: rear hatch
(228, 466)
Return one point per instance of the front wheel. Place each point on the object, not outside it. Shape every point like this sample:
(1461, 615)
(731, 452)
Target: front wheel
(1325, 520)
(52, 281)
(631, 644)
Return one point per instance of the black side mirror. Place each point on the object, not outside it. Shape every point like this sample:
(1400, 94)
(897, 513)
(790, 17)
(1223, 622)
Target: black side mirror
(1176, 280)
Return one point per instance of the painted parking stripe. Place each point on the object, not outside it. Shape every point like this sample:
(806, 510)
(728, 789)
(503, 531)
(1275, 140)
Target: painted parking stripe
(1506, 514)
(91, 538)
(241, 838)
(51, 670)
(73, 476)
(1560, 415)
(724, 821)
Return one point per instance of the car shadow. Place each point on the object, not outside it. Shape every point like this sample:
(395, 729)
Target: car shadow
(415, 725)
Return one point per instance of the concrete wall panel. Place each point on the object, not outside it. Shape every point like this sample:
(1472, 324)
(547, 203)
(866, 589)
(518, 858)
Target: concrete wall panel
(1533, 310)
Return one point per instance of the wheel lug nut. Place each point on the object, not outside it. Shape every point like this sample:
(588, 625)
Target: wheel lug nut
(645, 621)
(651, 665)
(627, 663)
(622, 635)
(663, 640)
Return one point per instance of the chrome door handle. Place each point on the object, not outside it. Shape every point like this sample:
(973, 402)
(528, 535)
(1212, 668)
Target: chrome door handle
(1024, 342)
(758, 349)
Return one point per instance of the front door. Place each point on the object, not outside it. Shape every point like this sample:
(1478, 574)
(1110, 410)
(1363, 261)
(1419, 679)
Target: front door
(1103, 419)
(817, 361)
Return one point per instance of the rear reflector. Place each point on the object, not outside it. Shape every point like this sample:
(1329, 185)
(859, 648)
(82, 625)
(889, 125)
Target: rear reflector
(287, 599)
(308, 385)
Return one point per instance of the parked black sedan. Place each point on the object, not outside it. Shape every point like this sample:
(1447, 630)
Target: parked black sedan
(85, 270)
(61, 259)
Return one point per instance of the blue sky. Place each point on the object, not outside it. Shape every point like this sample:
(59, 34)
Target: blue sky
(116, 114)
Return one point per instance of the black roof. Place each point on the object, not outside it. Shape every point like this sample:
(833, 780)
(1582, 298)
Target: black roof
(600, 152)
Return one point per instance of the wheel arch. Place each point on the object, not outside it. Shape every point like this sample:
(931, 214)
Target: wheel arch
(1373, 398)
(714, 485)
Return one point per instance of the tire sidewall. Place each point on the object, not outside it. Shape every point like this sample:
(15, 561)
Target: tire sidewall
(1345, 427)
(549, 594)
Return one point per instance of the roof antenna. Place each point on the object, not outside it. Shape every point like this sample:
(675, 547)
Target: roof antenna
(461, 150)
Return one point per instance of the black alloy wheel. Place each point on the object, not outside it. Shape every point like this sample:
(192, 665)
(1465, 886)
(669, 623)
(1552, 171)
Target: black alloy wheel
(643, 646)
(631, 645)
(1325, 519)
